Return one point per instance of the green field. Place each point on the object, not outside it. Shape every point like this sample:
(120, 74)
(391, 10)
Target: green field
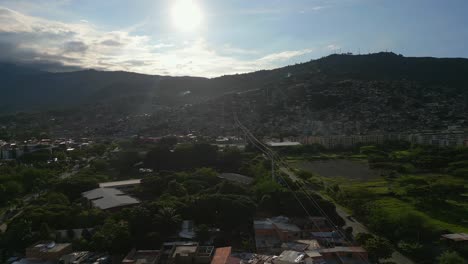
(410, 196)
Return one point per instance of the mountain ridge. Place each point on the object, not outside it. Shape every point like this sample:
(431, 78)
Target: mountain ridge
(340, 93)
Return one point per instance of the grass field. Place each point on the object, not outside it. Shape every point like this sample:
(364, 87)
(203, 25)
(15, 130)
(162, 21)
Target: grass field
(389, 193)
(339, 168)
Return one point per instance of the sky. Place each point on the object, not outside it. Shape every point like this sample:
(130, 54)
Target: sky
(217, 37)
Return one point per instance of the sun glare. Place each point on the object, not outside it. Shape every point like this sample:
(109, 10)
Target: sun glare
(186, 15)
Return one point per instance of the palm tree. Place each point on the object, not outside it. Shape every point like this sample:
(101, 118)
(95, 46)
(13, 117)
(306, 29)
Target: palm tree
(168, 220)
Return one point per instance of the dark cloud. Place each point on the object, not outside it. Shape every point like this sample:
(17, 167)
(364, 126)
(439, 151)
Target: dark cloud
(136, 62)
(12, 52)
(75, 46)
(111, 42)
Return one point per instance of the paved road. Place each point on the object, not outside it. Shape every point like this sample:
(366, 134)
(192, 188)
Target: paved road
(291, 175)
(397, 257)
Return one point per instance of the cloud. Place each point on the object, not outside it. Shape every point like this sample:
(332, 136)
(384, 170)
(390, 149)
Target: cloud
(75, 46)
(59, 46)
(111, 42)
(284, 55)
(333, 47)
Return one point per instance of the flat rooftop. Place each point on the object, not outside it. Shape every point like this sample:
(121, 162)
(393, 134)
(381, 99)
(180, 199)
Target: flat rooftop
(456, 236)
(283, 144)
(106, 198)
(142, 257)
(291, 256)
(184, 250)
(119, 183)
(50, 246)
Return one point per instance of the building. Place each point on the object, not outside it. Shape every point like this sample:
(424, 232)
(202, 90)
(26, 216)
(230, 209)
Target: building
(329, 238)
(85, 257)
(187, 230)
(290, 257)
(48, 250)
(142, 257)
(346, 255)
(186, 253)
(109, 199)
(121, 185)
(272, 233)
(223, 256)
(283, 144)
(457, 240)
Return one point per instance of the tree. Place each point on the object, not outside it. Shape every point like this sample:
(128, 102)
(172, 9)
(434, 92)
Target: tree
(378, 248)
(70, 234)
(113, 237)
(44, 232)
(450, 257)
(202, 233)
(168, 219)
(176, 189)
(85, 234)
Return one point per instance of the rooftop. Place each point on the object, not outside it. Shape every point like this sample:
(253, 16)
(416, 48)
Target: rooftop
(456, 237)
(291, 256)
(332, 234)
(342, 249)
(115, 184)
(106, 198)
(50, 246)
(283, 144)
(141, 257)
(311, 243)
(221, 255)
(184, 250)
(263, 224)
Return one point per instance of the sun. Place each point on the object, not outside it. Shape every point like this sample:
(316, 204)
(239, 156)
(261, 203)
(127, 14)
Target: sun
(186, 15)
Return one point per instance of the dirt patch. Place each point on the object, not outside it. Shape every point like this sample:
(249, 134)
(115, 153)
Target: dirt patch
(339, 168)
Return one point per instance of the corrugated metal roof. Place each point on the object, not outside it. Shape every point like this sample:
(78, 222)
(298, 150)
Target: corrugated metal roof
(119, 183)
(456, 236)
(106, 198)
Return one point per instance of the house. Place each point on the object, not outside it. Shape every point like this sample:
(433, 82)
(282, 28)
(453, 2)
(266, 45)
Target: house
(329, 238)
(270, 233)
(457, 237)
(186, 253)
(109, 199)
(48, 250)
(85, 257)
(290, 257)
(258, 259)
(456, 240)
(344, 255)
(142, 257)
(301, 245)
